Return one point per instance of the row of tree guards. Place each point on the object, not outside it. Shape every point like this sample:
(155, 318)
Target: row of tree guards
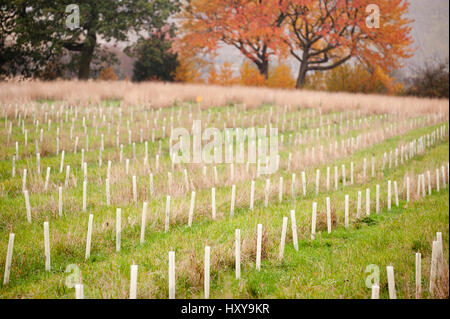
(436, 261)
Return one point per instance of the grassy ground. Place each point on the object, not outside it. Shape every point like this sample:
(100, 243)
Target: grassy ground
(331, 266)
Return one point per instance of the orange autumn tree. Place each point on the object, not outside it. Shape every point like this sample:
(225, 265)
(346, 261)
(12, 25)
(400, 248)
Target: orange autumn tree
(324, 34)
(254, 27)
(250, 76)
(281, 77)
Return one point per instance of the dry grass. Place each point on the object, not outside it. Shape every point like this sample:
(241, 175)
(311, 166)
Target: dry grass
(164, 95)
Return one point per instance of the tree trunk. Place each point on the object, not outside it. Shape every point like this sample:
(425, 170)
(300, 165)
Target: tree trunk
(86, 57)
(264, 68)
(301, 75)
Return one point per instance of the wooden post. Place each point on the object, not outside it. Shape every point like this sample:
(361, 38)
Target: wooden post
(418, 276)
(191, 209)
(258, 247)
(143, 222)
(294, 230)
(207, 270)
(47, 246)
(283, 238)
(313, 220)
(118, 228)
(89, 237)
(328, 215)
(133, 281)
(171, 275)
(391, 282)
(167, 219)
(27, 205)
(8, 259)
(237, 247)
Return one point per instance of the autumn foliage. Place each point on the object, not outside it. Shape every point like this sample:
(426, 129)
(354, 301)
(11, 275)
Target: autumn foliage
(108, 74)
(320, 34)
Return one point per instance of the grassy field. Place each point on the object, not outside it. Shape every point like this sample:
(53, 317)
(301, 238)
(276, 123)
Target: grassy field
(333, 265)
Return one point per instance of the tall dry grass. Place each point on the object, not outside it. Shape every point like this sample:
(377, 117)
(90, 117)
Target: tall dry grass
(165, 94)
